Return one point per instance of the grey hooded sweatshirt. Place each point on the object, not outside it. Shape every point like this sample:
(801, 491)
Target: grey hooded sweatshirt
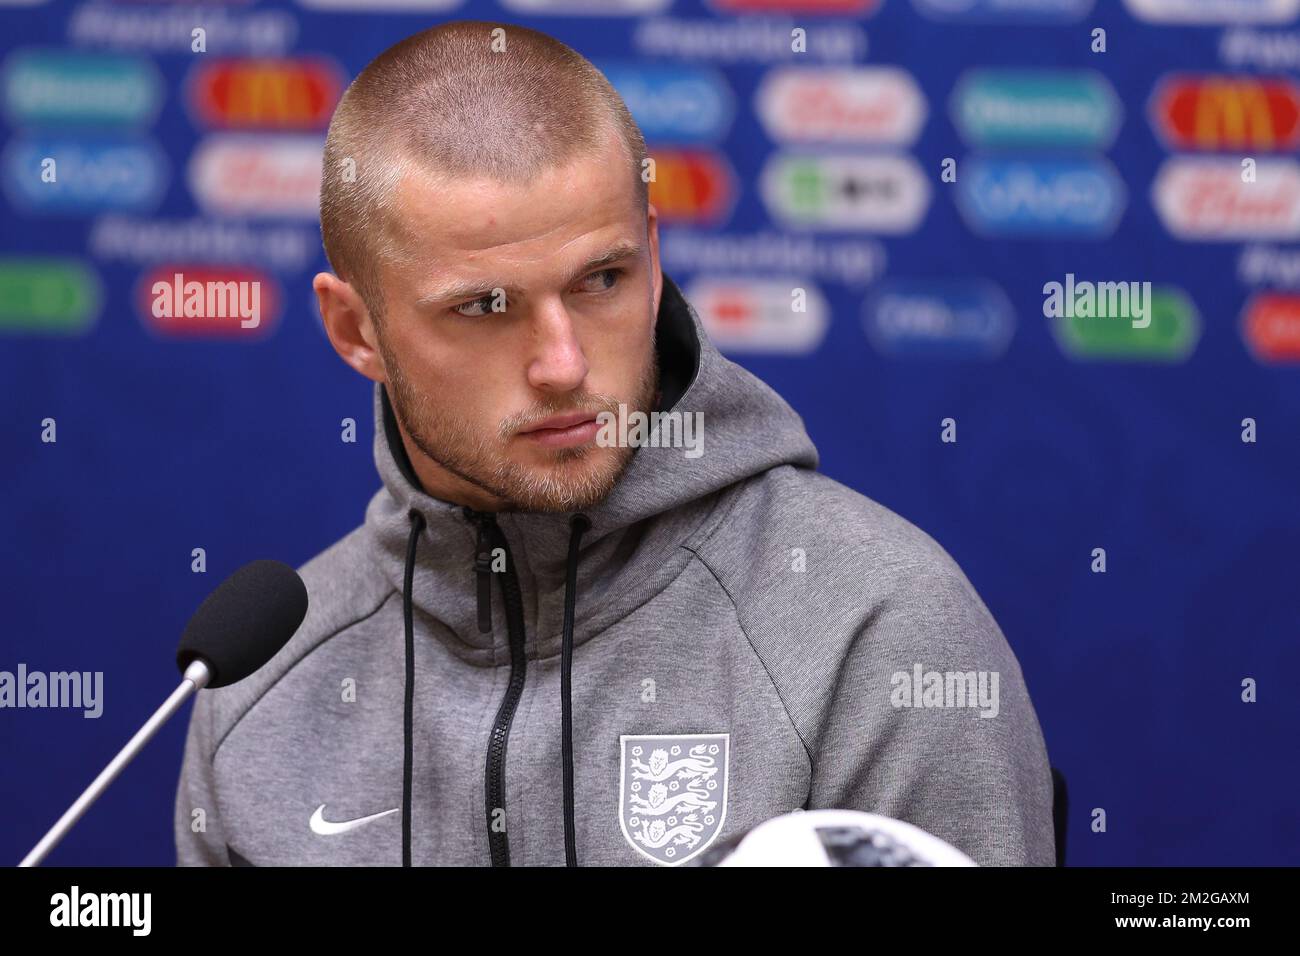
(744, 637)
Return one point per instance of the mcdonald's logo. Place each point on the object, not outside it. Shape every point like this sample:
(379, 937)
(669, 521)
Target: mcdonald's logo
(1227, 113)
(261, 94)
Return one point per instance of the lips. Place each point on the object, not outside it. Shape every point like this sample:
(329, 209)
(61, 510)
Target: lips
(563, 431)
(561, 422)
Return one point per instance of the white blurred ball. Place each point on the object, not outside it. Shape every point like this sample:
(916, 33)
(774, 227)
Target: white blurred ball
(834, 838)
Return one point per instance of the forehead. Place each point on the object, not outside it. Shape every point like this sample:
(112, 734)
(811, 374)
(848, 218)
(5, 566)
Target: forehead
(470, 228)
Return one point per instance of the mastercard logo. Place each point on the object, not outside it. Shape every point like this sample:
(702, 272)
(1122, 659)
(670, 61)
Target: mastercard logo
(694, 186)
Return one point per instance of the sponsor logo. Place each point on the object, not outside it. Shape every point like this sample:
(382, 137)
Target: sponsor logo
(1270, 326)
(283, 247)
(1226, 113)
(76, 176)
(265, 93)
(939, 318)
(746, 40)
(873, 193)
(258, 176)
(692, 186)
(1081, 197)
(1052, 11)
(749, 315)
(54, 87)
(1261, 49)
(368, 6)
(1171, 330)
(604, 8)
(1204, 198)
(854, 262)
(48, 296)
(1268, 265)
(674, 104)
(322, 827)
(842, 7)
(672, 793)
(1056, 108)
(205, 301)
(879, 105)
(170, 29)
(1214, 11)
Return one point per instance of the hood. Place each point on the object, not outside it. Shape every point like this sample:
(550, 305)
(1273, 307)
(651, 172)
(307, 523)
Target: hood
(661, 498)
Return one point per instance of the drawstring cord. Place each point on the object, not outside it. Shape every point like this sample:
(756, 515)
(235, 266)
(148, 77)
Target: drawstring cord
(417, 526)
(578, 524)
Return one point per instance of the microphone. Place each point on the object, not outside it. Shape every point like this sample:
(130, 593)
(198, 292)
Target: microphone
(238, 628)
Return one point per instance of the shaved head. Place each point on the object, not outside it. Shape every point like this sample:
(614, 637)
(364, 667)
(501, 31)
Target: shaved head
(464, 100)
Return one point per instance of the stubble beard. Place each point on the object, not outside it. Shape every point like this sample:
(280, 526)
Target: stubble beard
(572, 479)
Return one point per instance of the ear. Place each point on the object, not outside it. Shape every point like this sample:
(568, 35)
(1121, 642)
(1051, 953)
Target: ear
(656, 273)
(348, 325)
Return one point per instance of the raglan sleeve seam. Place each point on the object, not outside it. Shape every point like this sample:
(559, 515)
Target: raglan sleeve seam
(776, 689)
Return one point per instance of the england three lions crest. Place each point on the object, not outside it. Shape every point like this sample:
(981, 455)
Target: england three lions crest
(672, 793)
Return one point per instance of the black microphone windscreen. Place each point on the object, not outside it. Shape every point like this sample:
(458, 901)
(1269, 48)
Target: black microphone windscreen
(245, 621)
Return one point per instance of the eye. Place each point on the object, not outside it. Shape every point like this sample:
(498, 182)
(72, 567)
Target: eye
(613, 275)
(485, 302)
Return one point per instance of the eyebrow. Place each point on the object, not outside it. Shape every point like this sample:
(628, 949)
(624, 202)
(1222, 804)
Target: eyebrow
(471, 290)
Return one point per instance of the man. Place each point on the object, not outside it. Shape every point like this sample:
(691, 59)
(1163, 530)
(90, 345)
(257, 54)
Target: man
(603, 611)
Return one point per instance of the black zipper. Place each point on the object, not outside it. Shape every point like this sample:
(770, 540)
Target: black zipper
(490, 536)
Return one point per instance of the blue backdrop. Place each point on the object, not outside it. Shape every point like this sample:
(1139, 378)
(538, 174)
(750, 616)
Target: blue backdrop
(1112, 156)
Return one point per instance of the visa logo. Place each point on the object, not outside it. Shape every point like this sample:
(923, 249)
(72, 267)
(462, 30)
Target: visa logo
(939, 318)
(70, 176)
(674, 104)
(1080, 197)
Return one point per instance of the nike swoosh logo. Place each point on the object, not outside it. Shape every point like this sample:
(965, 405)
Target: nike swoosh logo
(323, 827)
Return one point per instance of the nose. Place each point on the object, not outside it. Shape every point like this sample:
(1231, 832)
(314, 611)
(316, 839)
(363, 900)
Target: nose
(557, 363)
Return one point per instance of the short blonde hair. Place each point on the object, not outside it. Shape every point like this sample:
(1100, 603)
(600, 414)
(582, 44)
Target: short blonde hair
(455, 101)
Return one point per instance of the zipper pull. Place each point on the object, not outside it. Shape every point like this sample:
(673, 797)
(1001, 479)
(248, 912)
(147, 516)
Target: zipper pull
(483, 567)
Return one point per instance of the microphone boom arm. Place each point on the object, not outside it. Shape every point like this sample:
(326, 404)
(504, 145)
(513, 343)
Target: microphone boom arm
(197, 676)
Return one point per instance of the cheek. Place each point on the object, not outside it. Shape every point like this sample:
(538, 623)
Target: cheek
(620, 372)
